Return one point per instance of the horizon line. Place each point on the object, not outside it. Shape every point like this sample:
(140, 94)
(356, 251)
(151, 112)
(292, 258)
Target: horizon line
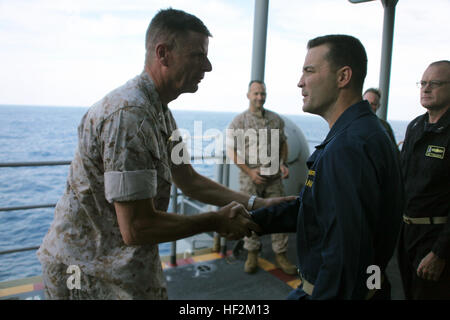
(172, 109)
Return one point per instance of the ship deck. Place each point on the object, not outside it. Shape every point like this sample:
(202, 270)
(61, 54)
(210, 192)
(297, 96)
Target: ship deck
(208, 275)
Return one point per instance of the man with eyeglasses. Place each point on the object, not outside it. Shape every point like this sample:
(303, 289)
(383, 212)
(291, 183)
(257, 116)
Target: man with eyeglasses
(424, 245)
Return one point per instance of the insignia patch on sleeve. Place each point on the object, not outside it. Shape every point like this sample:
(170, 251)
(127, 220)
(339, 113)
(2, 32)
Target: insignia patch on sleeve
(310, 179)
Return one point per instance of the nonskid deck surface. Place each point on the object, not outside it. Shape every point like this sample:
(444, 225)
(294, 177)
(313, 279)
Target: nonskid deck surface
(212, 276)
(225, 279)
(203, 276)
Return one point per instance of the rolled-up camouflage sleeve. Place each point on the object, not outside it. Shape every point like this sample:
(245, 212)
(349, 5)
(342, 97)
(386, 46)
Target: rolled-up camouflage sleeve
(130, 185)
(129, 147)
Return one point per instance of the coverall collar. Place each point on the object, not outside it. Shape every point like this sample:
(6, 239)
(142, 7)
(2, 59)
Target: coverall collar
(352, 113)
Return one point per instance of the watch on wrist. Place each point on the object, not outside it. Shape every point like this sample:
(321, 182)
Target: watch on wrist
(251, 202)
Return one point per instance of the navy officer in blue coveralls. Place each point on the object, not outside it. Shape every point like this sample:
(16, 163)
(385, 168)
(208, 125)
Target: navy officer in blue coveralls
(348, 214)
(424, 245)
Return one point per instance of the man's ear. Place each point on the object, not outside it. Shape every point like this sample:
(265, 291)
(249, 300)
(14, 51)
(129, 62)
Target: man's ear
(162, 54)
(344, 75)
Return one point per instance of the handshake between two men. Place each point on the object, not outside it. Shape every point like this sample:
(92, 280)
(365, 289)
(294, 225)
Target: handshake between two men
(235, 222)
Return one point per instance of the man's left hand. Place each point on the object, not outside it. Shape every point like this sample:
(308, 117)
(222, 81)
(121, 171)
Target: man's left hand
(284, 171)
(431, 267)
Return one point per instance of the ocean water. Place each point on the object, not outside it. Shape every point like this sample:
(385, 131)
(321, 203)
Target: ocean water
(31, 133)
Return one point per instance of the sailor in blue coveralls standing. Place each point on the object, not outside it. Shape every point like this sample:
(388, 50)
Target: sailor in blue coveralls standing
(348, 215)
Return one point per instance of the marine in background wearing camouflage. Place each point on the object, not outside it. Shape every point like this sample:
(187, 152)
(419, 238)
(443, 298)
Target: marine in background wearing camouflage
(251, 179)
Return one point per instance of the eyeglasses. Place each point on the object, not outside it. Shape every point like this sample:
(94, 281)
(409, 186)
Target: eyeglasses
(433, 84)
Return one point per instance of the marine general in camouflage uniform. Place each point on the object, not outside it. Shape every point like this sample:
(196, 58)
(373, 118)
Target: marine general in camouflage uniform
(103, 242)
(253, 134)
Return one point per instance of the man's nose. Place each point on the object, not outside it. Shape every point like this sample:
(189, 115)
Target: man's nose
(208, 66)
(301, 82)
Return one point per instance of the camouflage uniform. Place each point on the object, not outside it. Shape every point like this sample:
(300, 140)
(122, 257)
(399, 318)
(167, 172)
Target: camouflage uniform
(122, 155)
(274, 187)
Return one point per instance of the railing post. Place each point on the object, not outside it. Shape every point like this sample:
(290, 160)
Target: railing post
(386, 55)
(223, 247)
(226, 175)
(219, 179)
(173, 246)
(259, 39)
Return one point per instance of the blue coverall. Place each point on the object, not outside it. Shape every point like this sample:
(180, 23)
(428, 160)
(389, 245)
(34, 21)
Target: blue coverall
(347, 216)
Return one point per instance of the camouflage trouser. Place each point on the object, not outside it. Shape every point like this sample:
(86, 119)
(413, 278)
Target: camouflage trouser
(56, 287)
(272, 189)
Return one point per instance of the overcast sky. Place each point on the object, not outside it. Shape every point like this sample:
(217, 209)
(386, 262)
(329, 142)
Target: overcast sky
(73, 52)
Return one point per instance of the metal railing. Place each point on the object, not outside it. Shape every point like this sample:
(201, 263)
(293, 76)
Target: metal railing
(174, 199)
(29, 207)
(34, 164)
(222, 175)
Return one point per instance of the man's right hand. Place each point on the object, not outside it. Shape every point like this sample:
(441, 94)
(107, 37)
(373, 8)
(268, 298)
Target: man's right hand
(234, 222)
(256, 177)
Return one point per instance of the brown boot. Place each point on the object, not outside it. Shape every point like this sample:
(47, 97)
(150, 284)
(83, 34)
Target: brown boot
(216, 243)
(284, 264)
(251, 265)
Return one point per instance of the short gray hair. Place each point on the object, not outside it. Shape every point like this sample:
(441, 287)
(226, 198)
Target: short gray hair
(170, 24)
(256, 81)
